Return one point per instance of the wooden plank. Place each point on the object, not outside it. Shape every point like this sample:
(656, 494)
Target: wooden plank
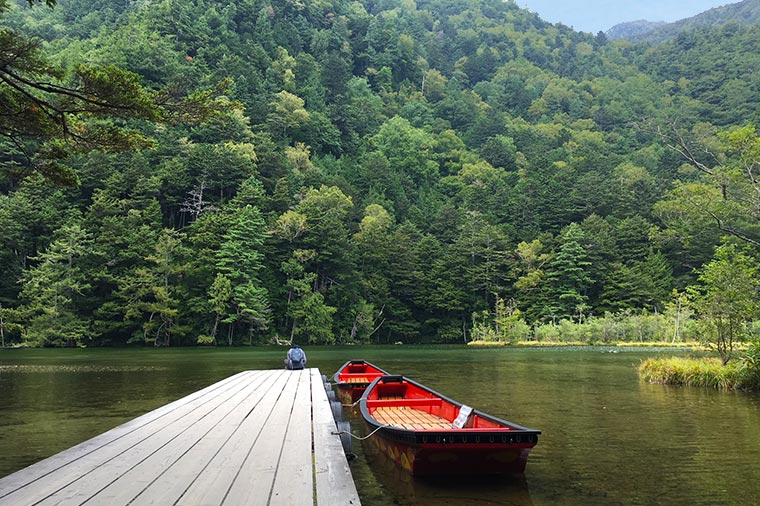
(253, 483)
(123, 478)
(134, 484)
(410, 419)
(388, 416)
(50, 475)
(217, 478)
(334, 485)
(256, 438)
(194, 464)
(395, 415)
(294, 479)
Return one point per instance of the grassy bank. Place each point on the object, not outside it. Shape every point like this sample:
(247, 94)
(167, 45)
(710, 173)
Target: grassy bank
(698, 372)
(629, 344)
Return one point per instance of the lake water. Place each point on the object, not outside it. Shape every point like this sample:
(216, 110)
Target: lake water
(607, 438)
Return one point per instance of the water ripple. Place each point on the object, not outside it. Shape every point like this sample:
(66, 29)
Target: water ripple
(19, 368)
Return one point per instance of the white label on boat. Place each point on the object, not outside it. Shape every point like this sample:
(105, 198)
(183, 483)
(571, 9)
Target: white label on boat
(461, 419)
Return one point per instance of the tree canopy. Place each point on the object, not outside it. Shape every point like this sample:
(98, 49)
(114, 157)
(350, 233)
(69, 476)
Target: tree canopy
(182, 172)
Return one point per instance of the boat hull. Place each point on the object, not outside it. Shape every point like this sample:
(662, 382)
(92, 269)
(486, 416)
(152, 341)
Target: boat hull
(349, 394)
(428, 434)
(353, 378)
(455, 459)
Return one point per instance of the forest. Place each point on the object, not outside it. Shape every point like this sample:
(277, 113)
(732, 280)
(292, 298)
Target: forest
(197, 172)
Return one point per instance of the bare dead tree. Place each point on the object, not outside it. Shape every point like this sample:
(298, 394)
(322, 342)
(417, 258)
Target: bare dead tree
(194, 204)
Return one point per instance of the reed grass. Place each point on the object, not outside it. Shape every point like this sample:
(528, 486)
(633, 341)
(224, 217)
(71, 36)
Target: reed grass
(695, 372)
(485, 344)
(620, 344)
(692, 345)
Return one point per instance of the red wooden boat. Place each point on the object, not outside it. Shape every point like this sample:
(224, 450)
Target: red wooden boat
(353, 377)
(429, 434)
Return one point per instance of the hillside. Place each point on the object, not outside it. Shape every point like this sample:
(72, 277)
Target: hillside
(633, 30)
(378, 171)
(746, 12)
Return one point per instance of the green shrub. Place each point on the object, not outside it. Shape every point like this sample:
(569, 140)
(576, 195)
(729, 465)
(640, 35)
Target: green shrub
(204, 340)
(625, 326)
(504, 324)
(750, 364)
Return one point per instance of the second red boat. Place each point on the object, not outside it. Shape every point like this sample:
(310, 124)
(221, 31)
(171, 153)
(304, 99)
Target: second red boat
(353, 377)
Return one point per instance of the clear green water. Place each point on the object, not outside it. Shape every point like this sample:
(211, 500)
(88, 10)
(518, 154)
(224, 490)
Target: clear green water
(607, 438)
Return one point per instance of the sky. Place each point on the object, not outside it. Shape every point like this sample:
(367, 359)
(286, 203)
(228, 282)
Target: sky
(601, 15)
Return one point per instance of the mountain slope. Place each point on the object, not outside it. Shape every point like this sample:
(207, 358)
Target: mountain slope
(744, 13)
(631, 30)
(399, 167)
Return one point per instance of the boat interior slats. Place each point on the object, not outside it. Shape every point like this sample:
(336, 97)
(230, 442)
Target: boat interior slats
(350, 378)
(410, 419)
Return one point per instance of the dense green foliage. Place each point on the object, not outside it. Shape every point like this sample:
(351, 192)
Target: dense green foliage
(715, 68)
(396, 167)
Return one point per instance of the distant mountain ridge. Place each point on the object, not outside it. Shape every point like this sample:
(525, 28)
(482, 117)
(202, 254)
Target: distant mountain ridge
(745, 13)
(632, 29)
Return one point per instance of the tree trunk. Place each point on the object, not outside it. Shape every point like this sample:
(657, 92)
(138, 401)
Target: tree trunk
(216, 327)
(677, 329)
(355, 328)
(2, 328)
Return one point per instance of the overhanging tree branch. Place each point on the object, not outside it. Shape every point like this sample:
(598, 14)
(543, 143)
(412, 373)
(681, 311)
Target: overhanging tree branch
(732, 231)
(678, 143)
(47, 120)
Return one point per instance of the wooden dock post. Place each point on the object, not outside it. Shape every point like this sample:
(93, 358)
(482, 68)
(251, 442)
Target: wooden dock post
(255, 438)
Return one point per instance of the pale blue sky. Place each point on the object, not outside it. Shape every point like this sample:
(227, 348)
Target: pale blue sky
(601, 15)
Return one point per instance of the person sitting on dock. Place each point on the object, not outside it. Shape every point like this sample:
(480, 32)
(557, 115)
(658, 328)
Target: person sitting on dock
(296, 358)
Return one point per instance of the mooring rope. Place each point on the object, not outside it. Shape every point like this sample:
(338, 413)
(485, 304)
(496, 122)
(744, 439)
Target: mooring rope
(360, 438)
(352, 405)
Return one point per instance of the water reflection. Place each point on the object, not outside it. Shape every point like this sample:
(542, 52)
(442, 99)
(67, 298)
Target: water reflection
(29, 368)
(606, 438)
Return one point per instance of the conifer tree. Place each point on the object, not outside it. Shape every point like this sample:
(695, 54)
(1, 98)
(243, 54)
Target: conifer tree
(567, 277)
(50, 290)
(240, 260)
(220, 298)
(152, 293)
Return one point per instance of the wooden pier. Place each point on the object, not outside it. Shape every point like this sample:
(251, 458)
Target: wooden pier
(255, 438)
